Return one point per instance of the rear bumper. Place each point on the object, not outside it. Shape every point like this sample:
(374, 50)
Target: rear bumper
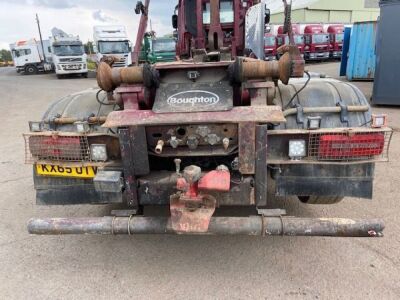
(254, 225)
(317, 56)
(270, 57)
(66, 72)
(337, 54)
(156, 188)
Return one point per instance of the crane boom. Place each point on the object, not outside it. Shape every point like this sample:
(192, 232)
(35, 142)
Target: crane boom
(143, 10)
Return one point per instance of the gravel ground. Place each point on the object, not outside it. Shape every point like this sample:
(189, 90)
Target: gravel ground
(182, 267)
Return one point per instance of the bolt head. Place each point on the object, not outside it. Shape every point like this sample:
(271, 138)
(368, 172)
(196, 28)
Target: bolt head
(192, 174)
(192, 142)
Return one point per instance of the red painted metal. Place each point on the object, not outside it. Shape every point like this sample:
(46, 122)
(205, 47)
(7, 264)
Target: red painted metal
(132, 96)
(217, 180)
(190, 210)
(228, 34)
(191, 189)
(181, 184)
(215, 34)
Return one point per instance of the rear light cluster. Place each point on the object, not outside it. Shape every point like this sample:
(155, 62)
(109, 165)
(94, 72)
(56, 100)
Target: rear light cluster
(55, 147)
(362, 145)
(344, 146)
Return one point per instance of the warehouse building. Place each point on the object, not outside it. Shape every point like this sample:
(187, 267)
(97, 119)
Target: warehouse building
(326, 11)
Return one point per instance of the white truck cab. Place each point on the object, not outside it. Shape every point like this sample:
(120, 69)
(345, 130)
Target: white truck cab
(28, 56)
(68, 54)
(112, 40)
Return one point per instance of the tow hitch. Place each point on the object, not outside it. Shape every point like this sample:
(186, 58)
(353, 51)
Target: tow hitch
(191, 211)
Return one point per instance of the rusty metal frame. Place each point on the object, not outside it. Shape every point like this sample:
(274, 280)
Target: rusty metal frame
(190, 65)
(261, 114)
(130, 193)
(261, 176)
(247, 148)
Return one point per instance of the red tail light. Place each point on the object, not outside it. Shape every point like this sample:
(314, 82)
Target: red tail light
(57, 147)
(341, 146)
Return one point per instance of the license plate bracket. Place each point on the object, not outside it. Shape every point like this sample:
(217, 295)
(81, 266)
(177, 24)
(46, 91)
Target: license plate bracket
(84, 172)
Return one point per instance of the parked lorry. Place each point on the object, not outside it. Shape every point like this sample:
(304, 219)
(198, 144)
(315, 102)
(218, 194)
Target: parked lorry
(214, 130)
(28, 56)
(157, 49)
(68, 54)
(283, 38)
(336, 35)
(112, 40)
(148, 48)
(316, 42)
(270, 46)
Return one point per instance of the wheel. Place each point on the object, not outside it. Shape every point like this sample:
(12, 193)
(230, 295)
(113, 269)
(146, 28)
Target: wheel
(320, 199)
(30, 69)
(60, 76)
(84, 75)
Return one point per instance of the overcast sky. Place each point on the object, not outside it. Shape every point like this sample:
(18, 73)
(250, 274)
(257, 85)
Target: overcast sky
(17, 17)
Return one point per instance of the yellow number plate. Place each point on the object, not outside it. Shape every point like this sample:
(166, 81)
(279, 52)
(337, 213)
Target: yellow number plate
(60, 171)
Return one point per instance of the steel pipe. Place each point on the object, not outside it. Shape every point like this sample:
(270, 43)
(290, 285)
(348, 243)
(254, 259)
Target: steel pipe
(332, 109)
(254, 225)
(67, 120)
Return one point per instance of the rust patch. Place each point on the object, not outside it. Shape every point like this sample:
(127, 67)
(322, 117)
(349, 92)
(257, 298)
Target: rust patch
(247, 148)
(191, 217)
(257, 114)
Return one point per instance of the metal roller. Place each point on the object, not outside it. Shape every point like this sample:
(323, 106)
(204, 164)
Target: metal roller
(290, 65)
(109, 78)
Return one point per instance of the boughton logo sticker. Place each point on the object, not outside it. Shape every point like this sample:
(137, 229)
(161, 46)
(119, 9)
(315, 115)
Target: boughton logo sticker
(193, 98)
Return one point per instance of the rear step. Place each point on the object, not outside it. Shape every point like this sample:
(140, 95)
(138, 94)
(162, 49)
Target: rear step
(253, 225)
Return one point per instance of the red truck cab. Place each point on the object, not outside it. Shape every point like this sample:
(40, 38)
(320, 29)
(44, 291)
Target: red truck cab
(316, 42)
(270, 46)
(336, 34)
(283, 39)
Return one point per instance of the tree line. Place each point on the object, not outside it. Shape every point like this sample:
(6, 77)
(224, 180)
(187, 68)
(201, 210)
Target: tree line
(5, 55)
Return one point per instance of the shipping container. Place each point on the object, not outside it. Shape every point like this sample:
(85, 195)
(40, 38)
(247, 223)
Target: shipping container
(345, 51)
(361, 56)
(386, 85)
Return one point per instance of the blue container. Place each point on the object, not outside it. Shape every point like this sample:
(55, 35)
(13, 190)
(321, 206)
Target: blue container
(345, 51)
(362, 57)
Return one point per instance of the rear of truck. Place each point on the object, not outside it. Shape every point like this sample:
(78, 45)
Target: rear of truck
(195, 136)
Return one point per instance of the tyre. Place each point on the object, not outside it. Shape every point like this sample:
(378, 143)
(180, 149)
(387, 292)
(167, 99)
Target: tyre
(60, 76)
(85, 75)
(320, 199)
(30, 70)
